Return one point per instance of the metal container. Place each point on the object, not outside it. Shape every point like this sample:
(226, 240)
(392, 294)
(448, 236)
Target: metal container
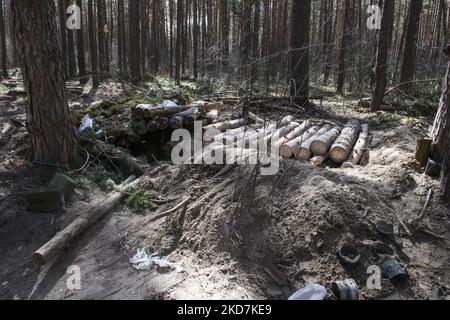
(346, 290)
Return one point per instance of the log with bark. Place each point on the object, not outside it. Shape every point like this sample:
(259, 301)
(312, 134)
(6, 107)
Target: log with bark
(321, 145)
(303, 152)
(211, 116)
(319, 160)
(63, 239)
(299, 130)
(176, 122)
(152, 126)
(226, 125)
(162, 123)
(359, 149)
(285, 121)
(344, 144)
(288, 149)
(273, 139)
(146, 111)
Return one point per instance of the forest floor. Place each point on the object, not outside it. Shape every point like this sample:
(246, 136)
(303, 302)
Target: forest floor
(241, 235)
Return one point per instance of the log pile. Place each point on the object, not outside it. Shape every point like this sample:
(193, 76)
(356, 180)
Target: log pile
(149, 118)
(318, 142)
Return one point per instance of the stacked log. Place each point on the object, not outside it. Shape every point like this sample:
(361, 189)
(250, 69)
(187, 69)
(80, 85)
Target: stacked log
(149, 118)
(303, 152)
(342, 147)
(359, 149)
(322, 144)
(288, 149)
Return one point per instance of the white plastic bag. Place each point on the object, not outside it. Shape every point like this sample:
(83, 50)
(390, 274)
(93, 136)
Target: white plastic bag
(142, 261)
(310, 292)
(168, 104)
(87, 123)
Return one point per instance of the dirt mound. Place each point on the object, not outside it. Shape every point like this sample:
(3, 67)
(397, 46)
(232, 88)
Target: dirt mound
(294, 222)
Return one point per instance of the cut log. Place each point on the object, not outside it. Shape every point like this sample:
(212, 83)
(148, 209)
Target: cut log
(288, 149)
(176, 122)
(359, 149)
(423, 150)
(64, 238)
(211, 116)
(191, 117)
(321, 145)
(304, 151)
(255, 118)
(319, 160)
(299, 130)
(226, 125)
(208, 107)
(342, 147)
(152, 126)
(285, 121)
(147, 111)
(140, 128)
(162, 123)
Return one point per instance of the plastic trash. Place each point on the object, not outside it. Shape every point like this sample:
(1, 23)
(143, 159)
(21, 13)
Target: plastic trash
(142, 261)
(168, 104)
(86, 123)
(310, 292)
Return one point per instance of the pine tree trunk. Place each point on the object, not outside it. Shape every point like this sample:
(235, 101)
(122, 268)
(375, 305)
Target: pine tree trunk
(63, 35)
(445, 176)
(225, 33)
(121, 38)
(343, 47)
(80, 46)
(384, 43)
(102, 39)
(301, 16)
(178, 41)
(93, 45)
(71, 54)
(195, 36)
(4, 52)
(49, 124)
(441, 128)
(134, 38)
(410, 48)
(145, 25)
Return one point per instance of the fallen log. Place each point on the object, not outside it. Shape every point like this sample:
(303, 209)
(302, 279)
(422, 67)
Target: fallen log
(146, 111)
(288, 149)
(226, 125)
(64, 238)
(303, 152)
(208, 107)
(321, 145)
(359, 149)
(342, 147)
